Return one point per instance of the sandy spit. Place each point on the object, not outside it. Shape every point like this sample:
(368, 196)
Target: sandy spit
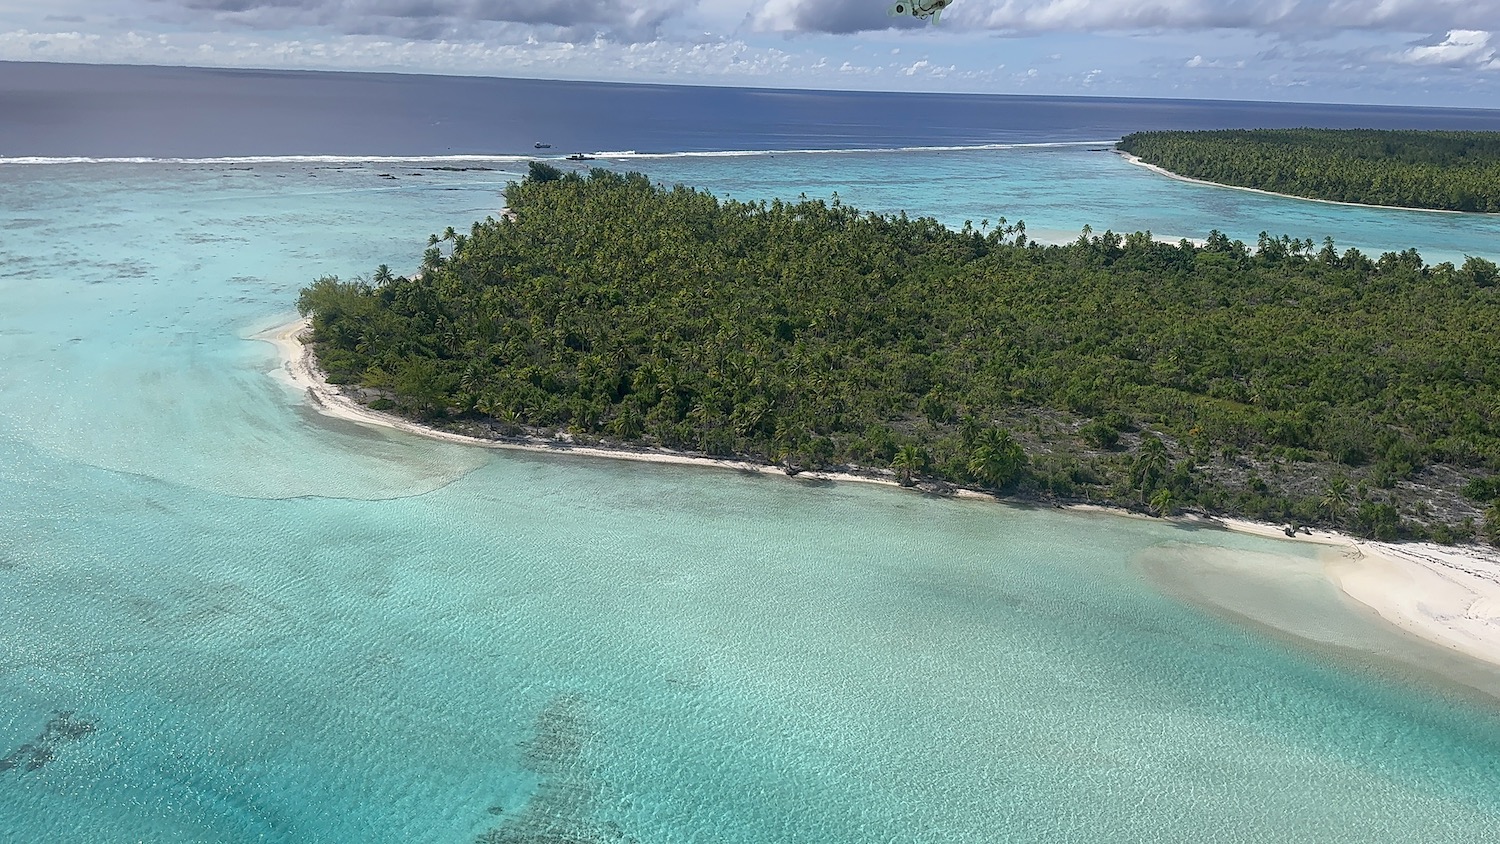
(1169, 174)
(1449, 596)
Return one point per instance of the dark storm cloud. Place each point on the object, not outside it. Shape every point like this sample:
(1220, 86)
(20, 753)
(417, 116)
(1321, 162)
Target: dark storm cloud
(842, 16)
(580, 19)
(239, 5)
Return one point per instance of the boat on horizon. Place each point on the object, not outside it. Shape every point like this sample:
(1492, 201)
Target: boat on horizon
(578, 156)
(540, 145)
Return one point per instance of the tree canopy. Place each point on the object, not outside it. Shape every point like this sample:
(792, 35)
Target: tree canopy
(1242, 380)
(1452, 171)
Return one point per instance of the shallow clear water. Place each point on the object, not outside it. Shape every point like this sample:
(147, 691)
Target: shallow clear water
(1057, 190)
(281, 627)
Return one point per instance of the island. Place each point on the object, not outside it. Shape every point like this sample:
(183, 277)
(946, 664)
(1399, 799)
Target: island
(1288, 382)
(1437, 170)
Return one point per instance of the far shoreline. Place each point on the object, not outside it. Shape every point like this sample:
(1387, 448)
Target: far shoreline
(1447, 596)
(1162, 171)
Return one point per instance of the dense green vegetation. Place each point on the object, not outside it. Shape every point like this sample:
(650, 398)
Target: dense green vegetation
(1283, 382)
(1453, 171)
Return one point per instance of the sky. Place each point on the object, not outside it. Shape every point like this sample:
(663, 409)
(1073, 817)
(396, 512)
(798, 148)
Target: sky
(1399, 52)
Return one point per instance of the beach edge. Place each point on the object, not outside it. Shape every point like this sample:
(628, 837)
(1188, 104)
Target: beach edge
(1448, 596)
(1162, 171)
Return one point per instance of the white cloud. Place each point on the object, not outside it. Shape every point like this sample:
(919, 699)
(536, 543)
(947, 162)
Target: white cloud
(524, 57)
(1199, 61)
(1286, 17)
(1431, 51)
(1461, 48)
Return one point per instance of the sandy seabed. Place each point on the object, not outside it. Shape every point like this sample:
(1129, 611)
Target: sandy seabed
(1448, 596)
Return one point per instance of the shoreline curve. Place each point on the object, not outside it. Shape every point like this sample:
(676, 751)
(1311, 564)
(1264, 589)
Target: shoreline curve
(1162, 171)
(1448, 596)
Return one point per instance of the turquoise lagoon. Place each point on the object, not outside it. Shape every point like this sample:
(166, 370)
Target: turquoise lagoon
(231, 619)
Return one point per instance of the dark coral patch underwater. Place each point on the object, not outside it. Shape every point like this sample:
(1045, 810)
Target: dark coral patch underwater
(63, 728)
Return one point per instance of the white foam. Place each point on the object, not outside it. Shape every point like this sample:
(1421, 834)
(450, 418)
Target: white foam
(516, 158)
(278, 159)
(732, 153)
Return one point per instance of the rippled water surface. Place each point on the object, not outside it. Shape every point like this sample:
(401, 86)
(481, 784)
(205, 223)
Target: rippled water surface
(231, 619)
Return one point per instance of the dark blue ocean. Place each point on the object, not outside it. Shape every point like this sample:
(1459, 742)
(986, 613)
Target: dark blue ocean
(67, 110)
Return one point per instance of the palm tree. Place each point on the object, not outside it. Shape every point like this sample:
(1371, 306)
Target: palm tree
(1162, 502)
(1335, 500)
(627, 423)
(909, 460)
(969, 429)
(1150, 464)
(471, 384)
(997, 458)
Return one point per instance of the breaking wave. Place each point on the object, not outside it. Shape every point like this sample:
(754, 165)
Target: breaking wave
(510, 158)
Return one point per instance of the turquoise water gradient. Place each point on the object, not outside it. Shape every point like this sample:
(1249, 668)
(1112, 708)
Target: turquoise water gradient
(231, 619)
(1057, 190)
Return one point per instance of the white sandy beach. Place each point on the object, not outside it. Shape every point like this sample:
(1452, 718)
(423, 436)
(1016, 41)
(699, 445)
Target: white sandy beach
(1181, 178)
(299, 369)
(1448, 596)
